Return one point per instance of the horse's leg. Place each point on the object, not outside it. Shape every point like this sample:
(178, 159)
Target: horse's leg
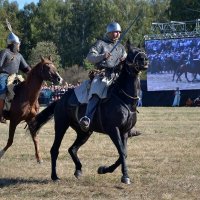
(35, 139)
(110, 169)
(178, 77)
(36, 145)
(81, 139)
(117, 140)
(60, 129)
(194, 77)
(187, 77)
(12, 128)
(174, 75)
(114, 134)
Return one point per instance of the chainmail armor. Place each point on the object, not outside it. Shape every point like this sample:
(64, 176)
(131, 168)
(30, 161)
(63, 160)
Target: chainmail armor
(10, 62)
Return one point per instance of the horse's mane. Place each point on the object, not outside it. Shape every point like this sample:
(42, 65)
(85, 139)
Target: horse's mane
(37, 67)
(33, 69)
(122, 66)
(31, 73)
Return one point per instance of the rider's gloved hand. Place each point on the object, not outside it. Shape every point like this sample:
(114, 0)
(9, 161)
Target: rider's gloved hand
(107, 55)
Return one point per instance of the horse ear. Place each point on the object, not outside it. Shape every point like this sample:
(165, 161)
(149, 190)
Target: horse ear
(128, 44)
(42, 58)
(50, 57)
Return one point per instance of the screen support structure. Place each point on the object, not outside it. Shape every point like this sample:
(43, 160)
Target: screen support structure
(174, 29)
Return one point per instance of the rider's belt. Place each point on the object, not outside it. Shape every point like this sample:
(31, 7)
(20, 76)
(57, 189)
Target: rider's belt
(108, 69)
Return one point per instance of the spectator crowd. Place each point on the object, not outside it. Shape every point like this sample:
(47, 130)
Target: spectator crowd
(52, 93)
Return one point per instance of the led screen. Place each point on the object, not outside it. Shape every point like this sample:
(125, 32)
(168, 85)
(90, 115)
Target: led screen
(173, 63)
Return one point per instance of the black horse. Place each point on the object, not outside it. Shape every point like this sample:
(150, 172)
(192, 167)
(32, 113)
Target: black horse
(186, 68)
(115, 116)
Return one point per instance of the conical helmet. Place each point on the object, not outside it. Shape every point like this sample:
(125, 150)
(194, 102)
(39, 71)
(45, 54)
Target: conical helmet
(12, 38)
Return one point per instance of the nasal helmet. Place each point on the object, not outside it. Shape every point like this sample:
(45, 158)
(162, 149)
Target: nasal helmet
(112, 27)
(12, 38)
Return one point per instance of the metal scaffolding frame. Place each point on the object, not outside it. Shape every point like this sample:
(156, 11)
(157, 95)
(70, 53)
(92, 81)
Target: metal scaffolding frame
(168, 27)
(174, 29)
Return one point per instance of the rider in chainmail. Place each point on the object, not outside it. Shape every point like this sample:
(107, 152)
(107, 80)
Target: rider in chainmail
(11, 61)
(101, 56)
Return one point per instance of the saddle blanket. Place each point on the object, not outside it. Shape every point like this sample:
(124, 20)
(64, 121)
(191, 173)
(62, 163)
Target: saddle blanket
(98, 86)
(82, 92)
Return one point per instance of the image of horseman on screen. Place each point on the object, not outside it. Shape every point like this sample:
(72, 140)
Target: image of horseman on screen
(192, 66)
(173, 61)
(164, 59)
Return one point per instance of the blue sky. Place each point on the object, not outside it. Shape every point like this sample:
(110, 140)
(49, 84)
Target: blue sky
(21, 3)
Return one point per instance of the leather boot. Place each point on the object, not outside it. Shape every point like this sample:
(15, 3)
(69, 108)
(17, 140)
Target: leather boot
(2, 120)
(90, 110)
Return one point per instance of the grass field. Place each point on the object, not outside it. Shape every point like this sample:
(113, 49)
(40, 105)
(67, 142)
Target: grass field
(163, 163)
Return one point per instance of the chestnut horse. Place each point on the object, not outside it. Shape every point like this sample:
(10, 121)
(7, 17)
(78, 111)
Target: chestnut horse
(25, 104)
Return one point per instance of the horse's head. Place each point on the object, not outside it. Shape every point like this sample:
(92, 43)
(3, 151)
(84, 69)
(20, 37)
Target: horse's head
(128, 83)
(136, 59)
(48, 71)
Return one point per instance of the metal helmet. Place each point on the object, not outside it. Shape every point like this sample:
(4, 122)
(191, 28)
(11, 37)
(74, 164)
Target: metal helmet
(112, 27)
(12, 38)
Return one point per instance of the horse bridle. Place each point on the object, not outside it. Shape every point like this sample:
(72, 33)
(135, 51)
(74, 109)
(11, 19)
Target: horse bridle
(136, 67)
(46, 63)
(134, 63)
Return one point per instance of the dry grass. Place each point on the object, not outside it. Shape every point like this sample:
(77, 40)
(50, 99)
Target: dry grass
(164, 162)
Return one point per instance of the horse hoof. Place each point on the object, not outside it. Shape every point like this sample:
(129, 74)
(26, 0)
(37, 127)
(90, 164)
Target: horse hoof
(133, 133)
(40, 161)
(55, 178)
(102, 170)
(125, 180)
(78, 174)
(1, 153)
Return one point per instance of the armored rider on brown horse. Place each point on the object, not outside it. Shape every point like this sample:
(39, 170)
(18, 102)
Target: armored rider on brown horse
(10, 63)
(24, 105)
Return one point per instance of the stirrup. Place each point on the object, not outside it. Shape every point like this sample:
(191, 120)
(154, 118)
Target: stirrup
(84, 123)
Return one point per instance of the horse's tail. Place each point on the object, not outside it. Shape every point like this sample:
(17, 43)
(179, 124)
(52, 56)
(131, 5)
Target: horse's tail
(41, 118)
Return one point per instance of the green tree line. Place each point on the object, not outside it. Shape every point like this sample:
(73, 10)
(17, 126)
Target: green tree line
(67, 28)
